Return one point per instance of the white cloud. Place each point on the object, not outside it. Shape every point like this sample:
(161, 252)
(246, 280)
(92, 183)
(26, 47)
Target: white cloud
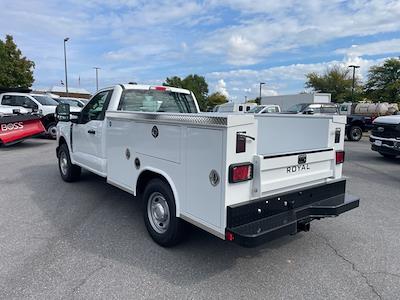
(289, 25)
(376, 48)
(221, 88)
(282, 79)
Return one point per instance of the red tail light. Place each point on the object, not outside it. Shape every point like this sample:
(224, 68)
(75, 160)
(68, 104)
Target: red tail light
(240, 172)
(339, 157)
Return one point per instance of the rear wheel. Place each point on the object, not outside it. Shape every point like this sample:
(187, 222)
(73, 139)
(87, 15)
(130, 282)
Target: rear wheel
(69, 172)
(160, 214)
(52, 130)
(355, 133)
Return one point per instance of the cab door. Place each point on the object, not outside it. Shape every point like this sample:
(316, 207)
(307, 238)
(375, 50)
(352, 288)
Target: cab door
(88, 145)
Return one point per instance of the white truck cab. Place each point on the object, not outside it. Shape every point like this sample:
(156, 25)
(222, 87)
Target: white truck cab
(231, 107)
(242, 177)
(265, 109)
(40, 103)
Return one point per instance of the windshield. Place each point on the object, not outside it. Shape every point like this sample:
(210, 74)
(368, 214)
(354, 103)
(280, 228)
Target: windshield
(256, 109)
(45, 100)
(297, 108)
(157, 101)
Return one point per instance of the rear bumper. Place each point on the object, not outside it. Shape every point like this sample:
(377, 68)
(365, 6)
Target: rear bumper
(269, 218)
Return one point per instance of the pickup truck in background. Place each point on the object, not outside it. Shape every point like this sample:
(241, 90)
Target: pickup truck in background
(37, 103)
(265, 109)
(355, 124)
(385, 136)
(246, 178)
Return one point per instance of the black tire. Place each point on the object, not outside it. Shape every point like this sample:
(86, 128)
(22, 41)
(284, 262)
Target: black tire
(389, 156)
(172, 232)
(51, 130)
(355, 133)
(69, 172)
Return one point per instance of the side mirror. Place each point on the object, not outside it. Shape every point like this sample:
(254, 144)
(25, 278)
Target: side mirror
(63, 112)
(308, 111)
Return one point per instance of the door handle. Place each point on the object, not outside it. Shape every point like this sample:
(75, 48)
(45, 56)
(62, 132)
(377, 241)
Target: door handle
(91, 131)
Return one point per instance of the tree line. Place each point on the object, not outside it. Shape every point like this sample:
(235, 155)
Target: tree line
(382, 84)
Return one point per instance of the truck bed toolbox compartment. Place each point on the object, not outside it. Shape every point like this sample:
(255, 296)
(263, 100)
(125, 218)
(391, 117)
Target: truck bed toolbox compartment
(268, 218)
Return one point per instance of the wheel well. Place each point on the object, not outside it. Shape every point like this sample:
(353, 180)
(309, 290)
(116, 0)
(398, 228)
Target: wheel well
(47, 120)
(62, 141)
(357, 123)
(144, 179)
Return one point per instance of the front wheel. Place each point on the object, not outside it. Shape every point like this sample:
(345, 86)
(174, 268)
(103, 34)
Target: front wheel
(355, 133)
(69, 172)
(51, 130)
(160, 214)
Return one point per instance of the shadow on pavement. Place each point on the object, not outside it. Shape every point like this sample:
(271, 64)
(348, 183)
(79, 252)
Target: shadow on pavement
(96, 217)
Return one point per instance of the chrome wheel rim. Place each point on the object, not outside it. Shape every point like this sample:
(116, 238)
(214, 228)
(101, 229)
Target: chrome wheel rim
(158, 212)
(63, 163)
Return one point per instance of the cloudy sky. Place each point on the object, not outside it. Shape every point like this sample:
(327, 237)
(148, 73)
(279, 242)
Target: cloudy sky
(235, 44)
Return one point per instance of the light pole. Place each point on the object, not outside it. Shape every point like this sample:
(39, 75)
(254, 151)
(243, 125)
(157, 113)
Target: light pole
(65, 63)
(354, 74)
(261, 84)
(97, 77)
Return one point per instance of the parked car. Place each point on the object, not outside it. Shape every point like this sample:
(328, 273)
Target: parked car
(27, 103)
(246, 178)
(385, 136)
(263, 109)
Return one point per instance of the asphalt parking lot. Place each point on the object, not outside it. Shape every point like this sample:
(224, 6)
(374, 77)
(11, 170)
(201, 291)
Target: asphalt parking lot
(87, 240)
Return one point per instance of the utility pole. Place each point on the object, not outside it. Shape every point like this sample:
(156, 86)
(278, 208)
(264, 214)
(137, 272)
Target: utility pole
(354, 76)
(97, 77)
(65, 64)
(261, 84)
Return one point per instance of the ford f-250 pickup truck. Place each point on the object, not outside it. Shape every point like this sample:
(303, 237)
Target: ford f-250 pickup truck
(385, 136)
(242, 177)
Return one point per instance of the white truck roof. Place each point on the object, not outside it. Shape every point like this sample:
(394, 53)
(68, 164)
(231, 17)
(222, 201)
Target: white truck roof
(149, 87)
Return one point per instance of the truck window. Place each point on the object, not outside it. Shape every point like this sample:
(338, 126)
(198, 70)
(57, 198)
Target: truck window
(95, 109)
(157, 101)
(316, 108)
(240, 107)
(248, 108)
(329, 109)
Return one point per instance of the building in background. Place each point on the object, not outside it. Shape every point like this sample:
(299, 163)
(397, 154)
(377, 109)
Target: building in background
(72, 92)
(286, 101)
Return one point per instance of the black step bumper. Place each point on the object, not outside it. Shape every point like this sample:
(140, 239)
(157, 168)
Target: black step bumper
(262, 220)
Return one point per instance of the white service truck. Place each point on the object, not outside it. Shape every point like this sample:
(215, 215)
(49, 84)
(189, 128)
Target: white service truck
(245, 178)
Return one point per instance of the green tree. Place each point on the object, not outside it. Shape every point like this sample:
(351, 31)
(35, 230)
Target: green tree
(174, 81)
(337, 81)
(216, 99)
(383, 82)
(195, 83)
(15, 70)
